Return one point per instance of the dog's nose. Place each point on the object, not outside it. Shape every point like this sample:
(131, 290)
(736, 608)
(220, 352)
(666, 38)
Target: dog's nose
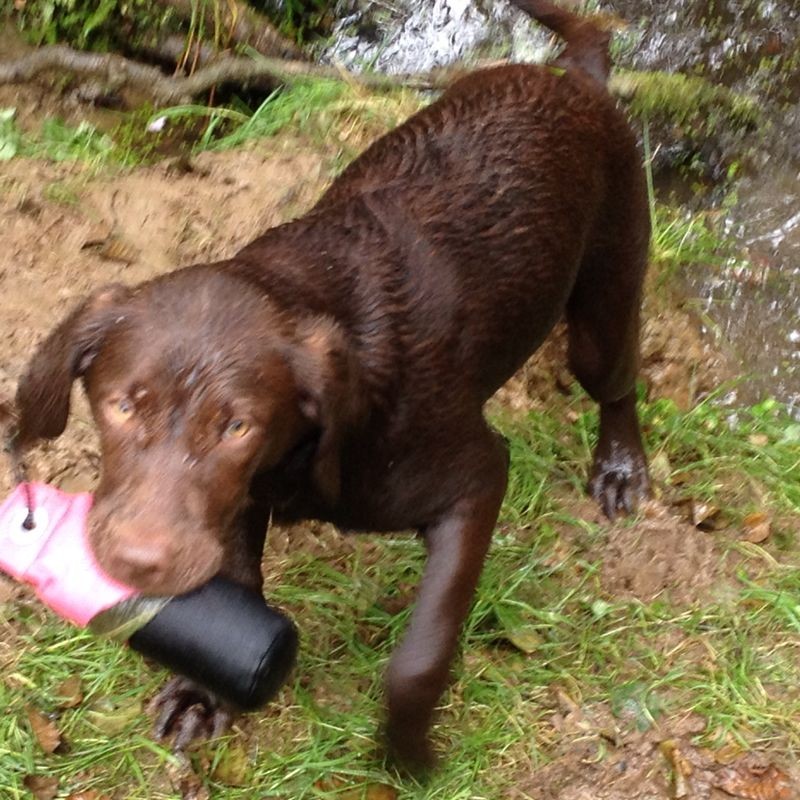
(142, 561)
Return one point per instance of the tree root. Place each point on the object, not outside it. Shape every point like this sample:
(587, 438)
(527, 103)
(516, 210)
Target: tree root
(120, 72)
(262, 72)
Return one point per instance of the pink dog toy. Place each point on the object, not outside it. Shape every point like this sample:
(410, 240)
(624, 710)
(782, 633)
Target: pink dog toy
(60, 567)
(221, 635)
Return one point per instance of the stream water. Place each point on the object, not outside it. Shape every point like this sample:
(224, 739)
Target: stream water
(749, 304)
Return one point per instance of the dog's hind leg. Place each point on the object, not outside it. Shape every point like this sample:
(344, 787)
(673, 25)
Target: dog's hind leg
(603, 322)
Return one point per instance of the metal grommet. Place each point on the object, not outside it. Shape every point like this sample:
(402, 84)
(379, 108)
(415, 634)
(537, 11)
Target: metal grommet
(20, 534)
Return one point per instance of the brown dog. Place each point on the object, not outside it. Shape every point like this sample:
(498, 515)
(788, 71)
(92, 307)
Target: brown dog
(337, 366)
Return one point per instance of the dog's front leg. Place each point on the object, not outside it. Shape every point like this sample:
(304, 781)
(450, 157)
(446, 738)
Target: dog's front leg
(457, 544)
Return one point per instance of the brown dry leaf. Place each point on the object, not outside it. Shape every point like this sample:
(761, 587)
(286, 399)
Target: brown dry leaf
(757, 526)
(758, 439)
(681, 768)
(380, 791)
(681, 477)
(755, 784)
(728, 753)
(565, 700)
(369, 791)
(69, 692)
(45, 731)
(191, 788)
(707, 516)
(112, 248)
(186, 782)
(372, 791)
(41, 787)
(88, 794)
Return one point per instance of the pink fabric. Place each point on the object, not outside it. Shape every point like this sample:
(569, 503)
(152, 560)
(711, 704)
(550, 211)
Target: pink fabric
(55, 557)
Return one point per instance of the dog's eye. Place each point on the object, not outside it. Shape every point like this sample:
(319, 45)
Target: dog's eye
(120, 409)
(236, 429)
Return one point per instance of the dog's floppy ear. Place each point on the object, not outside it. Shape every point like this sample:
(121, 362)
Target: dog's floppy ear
(327, 376)
(43, 393)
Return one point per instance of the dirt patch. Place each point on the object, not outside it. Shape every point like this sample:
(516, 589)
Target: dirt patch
(661, 557)
(676, 363)
(603, 758)
(66, 233)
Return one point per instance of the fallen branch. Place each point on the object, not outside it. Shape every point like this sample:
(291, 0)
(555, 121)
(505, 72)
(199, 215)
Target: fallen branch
(120, 72)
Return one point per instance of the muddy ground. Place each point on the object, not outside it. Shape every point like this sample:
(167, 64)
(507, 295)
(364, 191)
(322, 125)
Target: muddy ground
(64, 231)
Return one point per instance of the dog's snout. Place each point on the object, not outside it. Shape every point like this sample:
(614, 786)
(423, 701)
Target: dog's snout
(141, 560)
(152, 552)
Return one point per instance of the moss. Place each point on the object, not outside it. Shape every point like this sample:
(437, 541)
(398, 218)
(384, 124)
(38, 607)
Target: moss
(687, 101)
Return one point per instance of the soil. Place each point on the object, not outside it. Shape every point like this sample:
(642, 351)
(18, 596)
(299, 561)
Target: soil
(65, 231)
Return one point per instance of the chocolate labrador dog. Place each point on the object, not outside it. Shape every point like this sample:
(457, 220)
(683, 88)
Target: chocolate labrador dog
(337, 367)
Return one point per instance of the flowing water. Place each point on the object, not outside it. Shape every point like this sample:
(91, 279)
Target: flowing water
(750, 304)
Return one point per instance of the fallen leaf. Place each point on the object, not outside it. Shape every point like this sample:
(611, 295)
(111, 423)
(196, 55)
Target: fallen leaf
(755, 784)
(728, 753)
(69, 692)
(757, 526)
(758, 439)
(525, 638)
(186, 782)
(681, 477)
(113, 718)
(706, 516)
(45, 731)
(369, 791)
(372, 791)
(191, 788)
(565, 701)
(660, 468)
(232, 768)
(112, 248)
(681, 768)
(41, 787)
(380, 791)
(88, 794)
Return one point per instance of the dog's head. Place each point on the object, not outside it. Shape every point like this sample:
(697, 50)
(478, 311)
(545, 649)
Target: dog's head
(196, 383)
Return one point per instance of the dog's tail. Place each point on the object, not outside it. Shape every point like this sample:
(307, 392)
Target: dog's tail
(586, 44)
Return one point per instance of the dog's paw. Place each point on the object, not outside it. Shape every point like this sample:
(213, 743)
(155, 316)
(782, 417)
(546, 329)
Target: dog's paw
(189, 713)
(410, 752)
(619, 480)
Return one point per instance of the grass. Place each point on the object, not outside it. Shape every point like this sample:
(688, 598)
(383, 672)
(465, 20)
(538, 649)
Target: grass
(542, 627)
(330, 114)
(688, 101)
(319, 110)
(55, 141)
